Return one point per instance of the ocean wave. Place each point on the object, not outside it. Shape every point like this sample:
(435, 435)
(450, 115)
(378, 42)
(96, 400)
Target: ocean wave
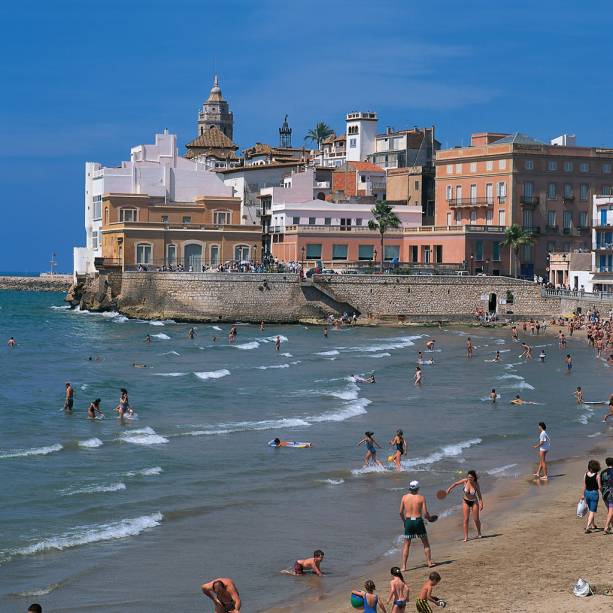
(500, 341)
(155, 323)
(448, 451)
(522, 385)
(145, 472)
(584, 418)
(120, 319)
(380, 355)
(84, 535)
(273, 366)
(331, 481)
(42, 591)
(170, 374)
(594, 435)
(22, 453)
(94, 489)
(332, 352)
(501, 377)
(351, 409)
(143, 436)
(287, 355)
(500, 469)
(247, 346)
(371, 468)
(212, 374)
(171, 353)
(394, 343)
(244, 426)
(272, 339)
(91, 443)
(162, 336)
(216, 328)
(63, 307)
(110, 314)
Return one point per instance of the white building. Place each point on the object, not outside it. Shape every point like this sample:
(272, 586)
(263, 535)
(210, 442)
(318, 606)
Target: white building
(602, 243)
(361, 135)
(155, 170)
(403, 148)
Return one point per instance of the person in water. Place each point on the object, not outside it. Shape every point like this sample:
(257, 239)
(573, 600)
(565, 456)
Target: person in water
(542, 355)
(417, 378)
(94, 407)
(138, 365)
(579, 395)
(11, 342)
(277, 442)
(359, 379)
(147, 338)
(497, 357)
(413, 509)
(224, 594)
(472, 500)
(469, 348)
(569, 363)
(493, 395)
(606, 416)
(191, 333)
(543, 446)
(325, 331)
(313, 564)
(371, 600)
(124, 408)
(371, 449)
(430, 344)
(400, 446)
(519, 400)
(422, 604)
(69, 399)
(278, 343)
(399, 591)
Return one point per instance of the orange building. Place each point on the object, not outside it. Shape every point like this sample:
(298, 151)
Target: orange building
(503, 179)
(358, 180)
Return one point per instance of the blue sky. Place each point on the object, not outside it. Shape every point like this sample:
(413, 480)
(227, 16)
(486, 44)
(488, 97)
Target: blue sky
(85, 81)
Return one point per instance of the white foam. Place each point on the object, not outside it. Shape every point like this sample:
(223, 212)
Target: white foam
(22, 453)
(594, 435)
(287, 355)
(110, 314)
(584, 418)
(273, 366)
(156, 323)
(331, 481)
(84, 535)
(522, 385)
(243, 426)
(501, 377)
(333, 352)
(500, 469)
(380, 355)
(43, 591)
(371, 468)
(91, 443)
(394, 343)
(64, 307)
(84, 386)
(247, 346)
(212, 374)
(216, 328)
(143, 436)
(351, 409)
(171, 353)
(272, 339)
(500, 341)
(449, 451)
(146, 472)
(449, 511)
(170, 374)
(162, 336)
(120, 319)
(95, 489)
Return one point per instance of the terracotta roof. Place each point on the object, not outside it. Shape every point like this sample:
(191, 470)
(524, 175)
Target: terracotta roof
(213, 138)
(333, 138)
(360, 166)
(220, 154)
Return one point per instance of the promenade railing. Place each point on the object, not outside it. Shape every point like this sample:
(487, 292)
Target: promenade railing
(577, 294)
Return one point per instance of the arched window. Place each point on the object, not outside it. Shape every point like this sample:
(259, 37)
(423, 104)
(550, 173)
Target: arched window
(241, 253)
(144, 253)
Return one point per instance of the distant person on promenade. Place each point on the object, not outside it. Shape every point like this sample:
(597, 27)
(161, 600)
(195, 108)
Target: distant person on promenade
(224, 594)
(606, 488)
(371, 449)
(94, 408)
(579, 395)
(35, 608)
(399, 591)
(313, 564)
(69, 399)
(400, 446)
(469, 348)
(371, 600)
(422, 604)
(12, 342)
(543, 446)
(590, 494)
(472, 500)
(413, 509)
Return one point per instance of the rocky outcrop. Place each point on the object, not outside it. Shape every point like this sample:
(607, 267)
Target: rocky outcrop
(56, 283)
(94, 293)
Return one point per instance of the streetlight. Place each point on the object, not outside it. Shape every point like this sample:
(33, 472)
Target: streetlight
(487, 264)
(302, 251)
(255, 254)
(374, 257)
(472, 259)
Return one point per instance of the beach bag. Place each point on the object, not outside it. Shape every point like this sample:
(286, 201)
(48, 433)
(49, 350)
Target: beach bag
(582, 589)
(581, 508)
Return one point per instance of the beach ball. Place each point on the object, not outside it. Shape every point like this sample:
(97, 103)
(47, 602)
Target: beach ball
(357, 602)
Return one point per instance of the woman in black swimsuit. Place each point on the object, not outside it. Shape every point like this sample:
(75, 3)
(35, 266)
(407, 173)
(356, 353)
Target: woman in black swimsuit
(472, 500)
(401, 447)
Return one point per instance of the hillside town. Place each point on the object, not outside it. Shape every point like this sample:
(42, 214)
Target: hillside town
(365, 200)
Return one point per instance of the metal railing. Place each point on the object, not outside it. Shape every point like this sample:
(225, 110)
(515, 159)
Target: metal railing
(532, 229)
(459, 202)
(577, 294)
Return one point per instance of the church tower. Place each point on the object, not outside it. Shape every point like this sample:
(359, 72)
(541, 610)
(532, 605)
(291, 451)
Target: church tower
(285, 135)
(216, 112)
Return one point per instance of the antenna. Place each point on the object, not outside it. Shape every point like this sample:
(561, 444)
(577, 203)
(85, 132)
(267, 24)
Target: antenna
(52, 263)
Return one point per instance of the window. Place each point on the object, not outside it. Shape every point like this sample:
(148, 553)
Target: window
(529, 164)
(551, 246)
(144, 253)
(606, 190)
(551, 191)
(164, 218)
(362, 178)
(502, 191)
(241, 253)
(552, 165)
(127, 214)
(352, 130)
(346, 223)
(94, 239)
(413, 253)
(568, 166)
(458, 192)
(551, 218)
(526, 253)
(365, 252)
(479, 250)
(449, 191)
(568, 220)
(568, 190)
(438, 253)
(416, 186)
(221, 218)
(527, 218)
(473, 194)
(489, 193)
(97, 213)
(583, 191)
(327, 221)
(339, 252)
(449, 169)
(473, 217)
(502, 164)
(489, 165)
(528, 189)
(312, 221)
(391, 252)
(106, 215)
(171, 255)
(449, 215)
(458, 168)
(583, 219)
(358, 221)
(296, 221)
(458, 217)
(496, 251)
(214, 255)
(187, 219)
(584, 167)
(353, 143)
(489, 216)
(501, 218)
(473, 167)
(313, 251)
(606, 169)
(426, 254)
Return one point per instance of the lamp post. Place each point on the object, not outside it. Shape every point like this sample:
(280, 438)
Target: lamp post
(487, 265)
(255, 254)
(302, 251)
(374, 257)
(472, 259)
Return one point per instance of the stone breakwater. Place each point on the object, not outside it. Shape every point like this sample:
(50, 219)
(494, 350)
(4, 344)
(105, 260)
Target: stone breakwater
(56, 283)
(284, 298)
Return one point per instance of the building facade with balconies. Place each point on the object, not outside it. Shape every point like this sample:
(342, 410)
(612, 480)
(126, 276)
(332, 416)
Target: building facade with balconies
(602, 243)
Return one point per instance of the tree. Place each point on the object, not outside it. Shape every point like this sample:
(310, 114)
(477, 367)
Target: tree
(384, 218)
(514, 238)
(319, 133)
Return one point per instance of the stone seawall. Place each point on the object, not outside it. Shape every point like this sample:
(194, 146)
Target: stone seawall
(284, 298)
(57, 283)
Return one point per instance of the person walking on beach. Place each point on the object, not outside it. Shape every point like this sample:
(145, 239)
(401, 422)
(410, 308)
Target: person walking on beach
(399, 591)
(422, 604)
(400, 446)
(469, 348)
(592, 487)
(371, 600)
(69, 399)
(543, 446)
(371, 449)
(413, 509)
(606, 488)
(94, 408)
(472, 500)
(224, 594)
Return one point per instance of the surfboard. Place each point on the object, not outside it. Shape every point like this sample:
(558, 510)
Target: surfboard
(596, 402)
(292, 444)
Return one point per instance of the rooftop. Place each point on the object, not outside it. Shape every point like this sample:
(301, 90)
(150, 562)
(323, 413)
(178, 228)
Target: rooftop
(213, 138)
(517, 138)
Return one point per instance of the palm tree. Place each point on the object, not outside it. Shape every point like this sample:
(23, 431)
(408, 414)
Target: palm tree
(384, 218)
(319, 133)
(514, 238)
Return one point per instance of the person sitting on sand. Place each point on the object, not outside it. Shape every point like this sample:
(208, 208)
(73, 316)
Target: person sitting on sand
(472, 500)
(94, 408)
(224, 594)
(422, 604)
(371, 600)
(371, 449)
(399, 591)
(313, 564)
(413, 509)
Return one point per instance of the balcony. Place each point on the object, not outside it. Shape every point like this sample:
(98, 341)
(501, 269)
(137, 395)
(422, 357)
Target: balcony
(468, 202)
(567, 231)
(568, 198)
(532, 229)
(552, 229)
(529, 201)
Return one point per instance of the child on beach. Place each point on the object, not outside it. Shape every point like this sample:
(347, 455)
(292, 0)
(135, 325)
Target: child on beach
(399, 591)
(313, 564)
(371, 600)
(422, 604)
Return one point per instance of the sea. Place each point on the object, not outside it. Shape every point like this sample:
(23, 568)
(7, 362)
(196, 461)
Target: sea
(97, 515)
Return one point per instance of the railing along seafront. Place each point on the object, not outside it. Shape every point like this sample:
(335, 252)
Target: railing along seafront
(462, 229)
(577, 294)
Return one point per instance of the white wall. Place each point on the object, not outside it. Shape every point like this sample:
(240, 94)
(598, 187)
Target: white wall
(365, 139)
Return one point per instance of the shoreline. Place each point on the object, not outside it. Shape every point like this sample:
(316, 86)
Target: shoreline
(533, 545)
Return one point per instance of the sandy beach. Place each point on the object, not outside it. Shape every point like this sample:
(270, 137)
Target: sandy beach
(534, 551)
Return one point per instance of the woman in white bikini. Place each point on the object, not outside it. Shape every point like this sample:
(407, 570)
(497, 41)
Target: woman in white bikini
(472, 500)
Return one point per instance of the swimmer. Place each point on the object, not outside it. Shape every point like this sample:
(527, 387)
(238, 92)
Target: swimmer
(147, 338)
(610, 413)
(527, 351)
(325, 331)
(420, 357)
(261, 326)
(401, 447)
(542, 355)
(425, 595)
(518, 400)
(369, 379)
(514, 333)
(371, 449)
(579, 395)
(417, 377)
(139, 365)
(399, 591)
(430, 344)
(69, 400)
(277, 442)
(313, 564)
(569, 363)
(94, 408)
(224, 594)
(11, 342)
(278, 343)
(214, 339)
(191, 333)
(497, 357)
(493, 395)
(371, 600)
(469, 348)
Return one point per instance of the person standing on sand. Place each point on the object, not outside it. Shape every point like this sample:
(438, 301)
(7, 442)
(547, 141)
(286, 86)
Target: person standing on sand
(69, 400)
(401, 447)
(543, 446)
(371, 449)
(413, 509)
(224, 594)
(472, 500)
(399, 591)
(422, 604)
(606, 488)
(592, 486)
(469, 348)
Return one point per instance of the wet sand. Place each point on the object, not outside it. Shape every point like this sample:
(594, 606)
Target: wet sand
(533, 552)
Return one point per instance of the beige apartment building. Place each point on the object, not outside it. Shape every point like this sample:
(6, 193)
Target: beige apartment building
(505, 179)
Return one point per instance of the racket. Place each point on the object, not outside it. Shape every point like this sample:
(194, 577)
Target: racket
(433, 518)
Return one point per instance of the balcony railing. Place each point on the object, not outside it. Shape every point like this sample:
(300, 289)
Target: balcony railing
(457, 229)
(551, 229)
(568, 198)
(459, 202)
(581, 295)
(529, 200)
(532, 229)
